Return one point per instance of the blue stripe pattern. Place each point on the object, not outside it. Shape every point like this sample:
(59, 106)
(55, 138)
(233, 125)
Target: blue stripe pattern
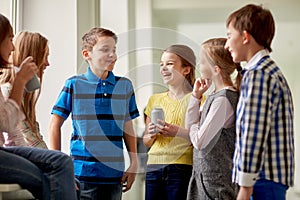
(99, 109)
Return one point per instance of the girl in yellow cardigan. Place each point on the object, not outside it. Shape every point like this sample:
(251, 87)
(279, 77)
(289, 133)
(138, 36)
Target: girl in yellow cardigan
(169, 165)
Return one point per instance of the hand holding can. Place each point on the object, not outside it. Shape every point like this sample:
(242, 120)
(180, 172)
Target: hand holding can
(157, 113)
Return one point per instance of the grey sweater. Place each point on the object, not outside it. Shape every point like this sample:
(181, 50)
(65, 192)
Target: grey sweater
(212, 166)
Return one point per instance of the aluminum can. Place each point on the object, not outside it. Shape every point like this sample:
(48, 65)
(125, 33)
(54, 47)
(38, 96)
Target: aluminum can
(32, 84)
(157, 113)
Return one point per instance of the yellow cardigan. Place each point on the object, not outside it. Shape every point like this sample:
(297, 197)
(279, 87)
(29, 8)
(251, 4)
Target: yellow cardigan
(170, 150)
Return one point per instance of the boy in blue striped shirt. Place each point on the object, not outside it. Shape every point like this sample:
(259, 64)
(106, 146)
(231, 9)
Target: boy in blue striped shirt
(264, 154)
(102, 107)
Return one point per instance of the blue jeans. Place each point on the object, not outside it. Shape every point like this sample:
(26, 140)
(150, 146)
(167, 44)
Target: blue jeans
(90, 191)
(268, 190)
(46, 174)
(167, 182)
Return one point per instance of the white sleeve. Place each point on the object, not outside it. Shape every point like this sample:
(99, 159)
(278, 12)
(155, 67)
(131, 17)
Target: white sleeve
(193, 112)
(218, 116)
(10, 114)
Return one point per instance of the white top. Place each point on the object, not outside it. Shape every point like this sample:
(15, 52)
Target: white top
(10, 116)
(221, 115)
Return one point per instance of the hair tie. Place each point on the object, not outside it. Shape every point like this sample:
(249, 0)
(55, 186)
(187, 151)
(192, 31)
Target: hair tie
(239, 68)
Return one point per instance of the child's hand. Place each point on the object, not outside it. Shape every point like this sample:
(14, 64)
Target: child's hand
(152, 130)
(28, 69)
(200, 87)
(128, 179)
(166, 129)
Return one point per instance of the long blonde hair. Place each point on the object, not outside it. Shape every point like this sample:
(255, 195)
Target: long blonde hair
(35, 45)
(217, 55)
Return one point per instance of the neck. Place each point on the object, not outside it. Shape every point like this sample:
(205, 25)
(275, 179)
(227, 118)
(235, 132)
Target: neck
(221, 84)
(253, 51)
(176, 92)
(102, 74)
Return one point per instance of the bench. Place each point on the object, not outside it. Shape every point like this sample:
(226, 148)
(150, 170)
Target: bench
(14, 191)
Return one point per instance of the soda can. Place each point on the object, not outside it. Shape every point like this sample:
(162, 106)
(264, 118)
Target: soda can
(32, 84)
(157, 113)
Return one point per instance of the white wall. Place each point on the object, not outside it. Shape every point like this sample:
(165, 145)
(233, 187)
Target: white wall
(5, 8)
(286, 52)
(56, 20)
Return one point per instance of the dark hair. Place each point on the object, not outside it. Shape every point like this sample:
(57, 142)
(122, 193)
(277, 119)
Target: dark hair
(255, 20)
(91, 37)
(217, 55)
(5, 30)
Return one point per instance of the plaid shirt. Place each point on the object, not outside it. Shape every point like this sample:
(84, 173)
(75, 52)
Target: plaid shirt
(265, 132)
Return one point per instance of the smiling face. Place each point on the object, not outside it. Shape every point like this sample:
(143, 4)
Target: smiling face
(172, 70)
(6, 47)
(235, 44)
(45, 62)
(103, 55)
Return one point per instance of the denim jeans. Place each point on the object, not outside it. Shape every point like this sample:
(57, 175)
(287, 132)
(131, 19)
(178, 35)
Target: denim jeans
(46, 174)
(90, 191)
(167, 182)
(268, 190)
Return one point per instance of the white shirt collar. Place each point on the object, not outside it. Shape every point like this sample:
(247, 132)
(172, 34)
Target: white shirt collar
(255, 59)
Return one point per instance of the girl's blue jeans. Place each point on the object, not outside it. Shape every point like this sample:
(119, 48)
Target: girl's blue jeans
(45, 173)
(167, 182)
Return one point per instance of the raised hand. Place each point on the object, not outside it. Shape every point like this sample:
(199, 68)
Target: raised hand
(200, 87)
(28, 69)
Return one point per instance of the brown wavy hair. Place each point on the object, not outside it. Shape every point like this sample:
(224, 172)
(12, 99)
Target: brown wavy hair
(90, 38)
(35, 45)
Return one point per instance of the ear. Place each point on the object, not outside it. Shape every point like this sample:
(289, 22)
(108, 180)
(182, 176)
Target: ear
(186, 70)
(217, 69)
(246, 37)
(85, 54)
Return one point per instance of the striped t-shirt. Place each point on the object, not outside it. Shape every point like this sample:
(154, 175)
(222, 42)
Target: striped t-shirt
(98, 109)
